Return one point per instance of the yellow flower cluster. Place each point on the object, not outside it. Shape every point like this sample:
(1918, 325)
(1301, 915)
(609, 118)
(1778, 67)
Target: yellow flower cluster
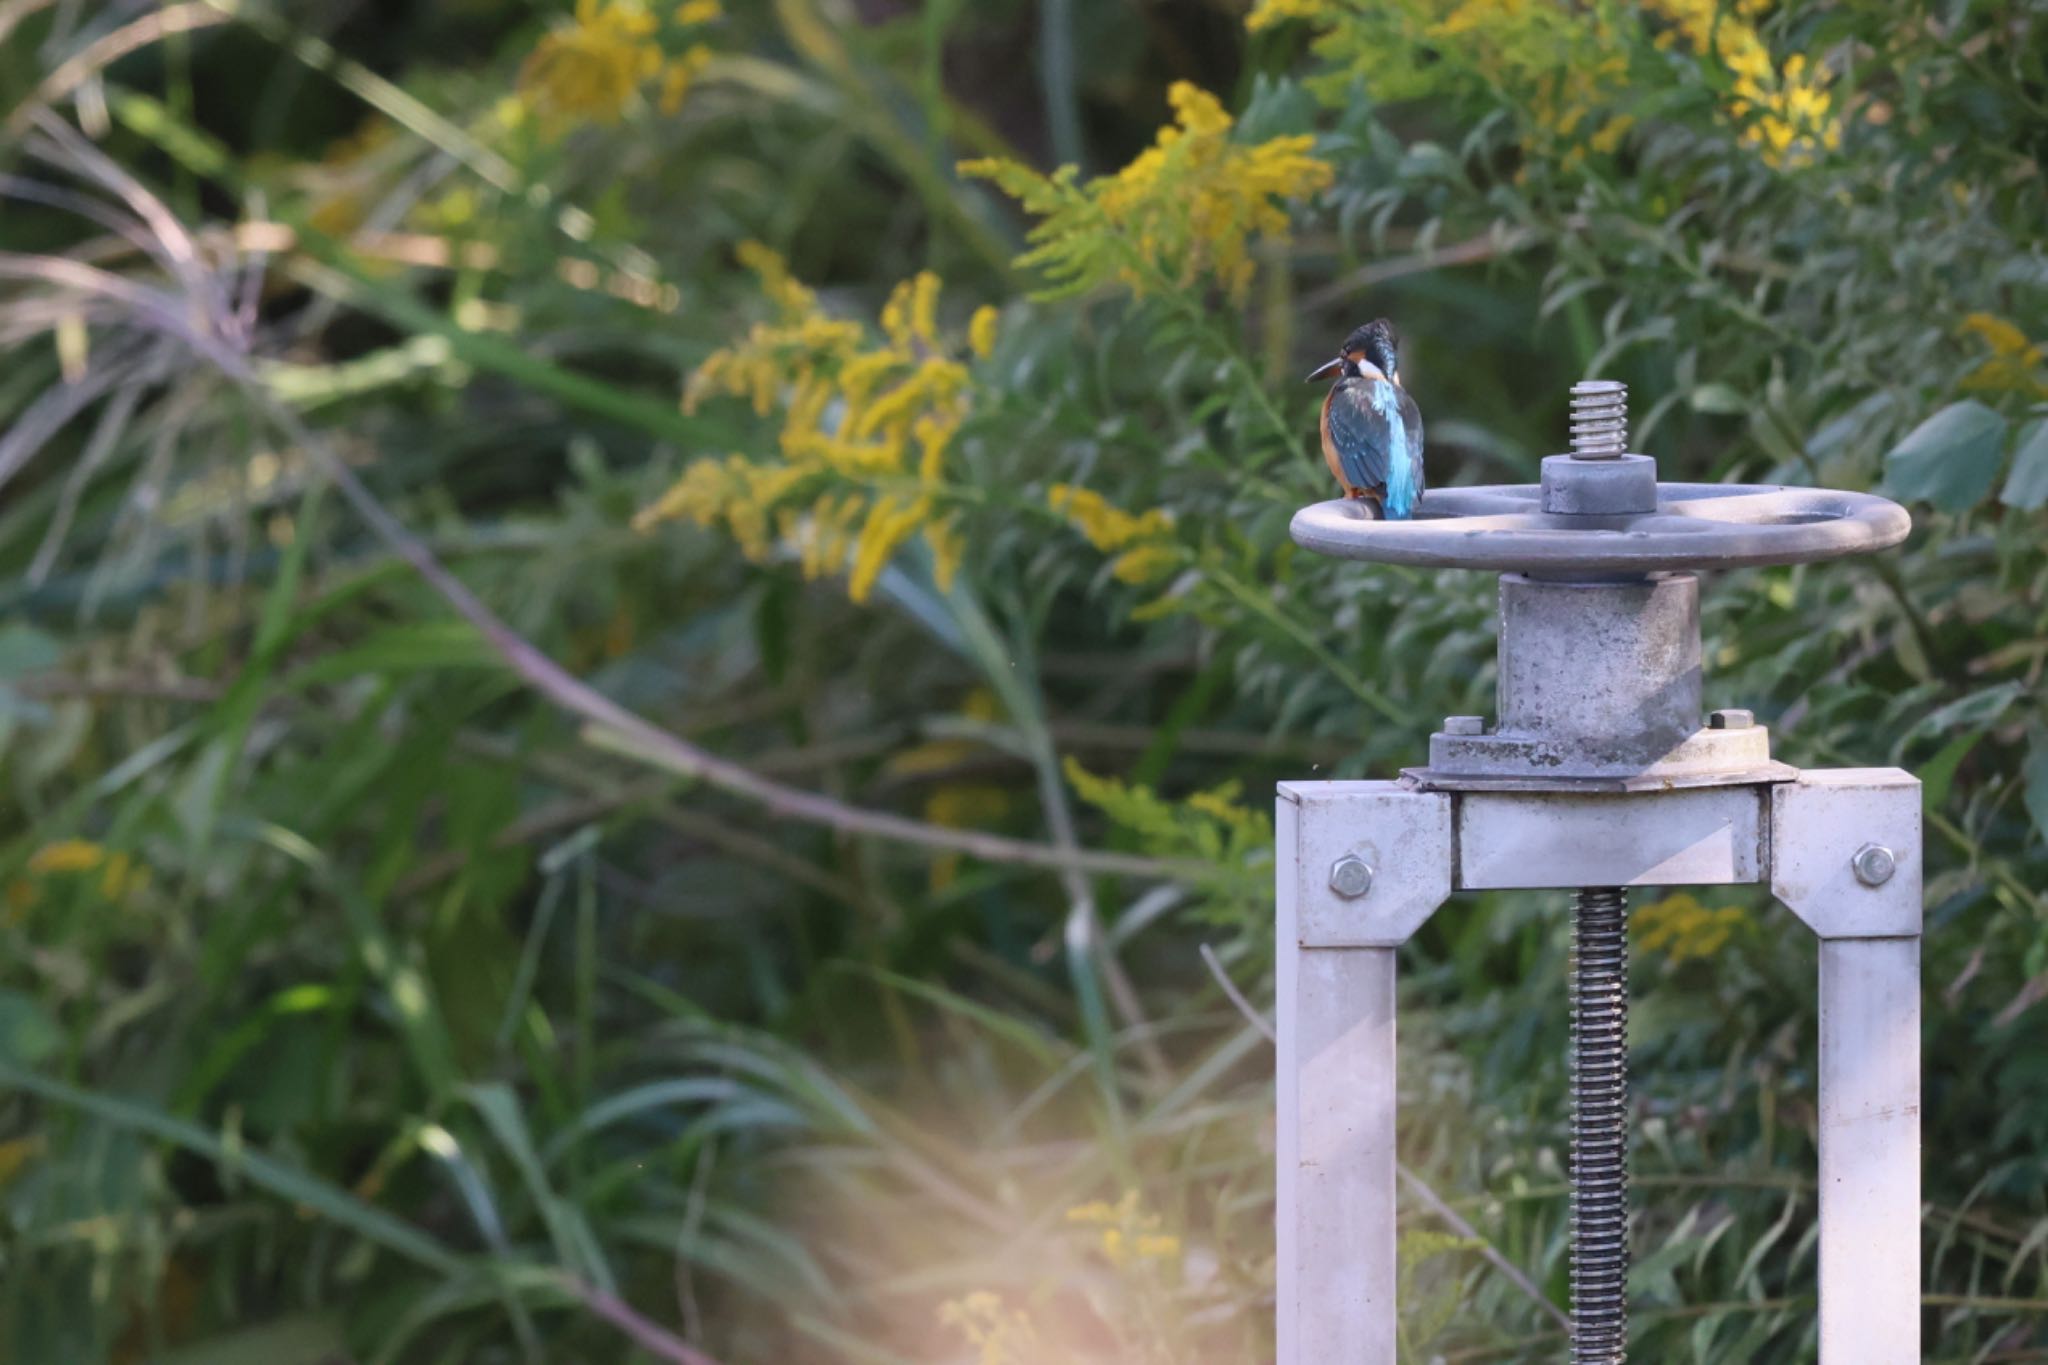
(1786, 110)
(1683, 929)
(1190, 205)
(1565, 64)
(591, 69)
(2014, 364)
(1212, 828)
(1129, 1235)
(1268, 13)
(1560, 63)
(119, 878)
(865, 430)
(1001, 1335)
(1144, 545)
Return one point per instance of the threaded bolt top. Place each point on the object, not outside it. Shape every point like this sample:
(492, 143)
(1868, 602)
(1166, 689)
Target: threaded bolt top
(1599, 419)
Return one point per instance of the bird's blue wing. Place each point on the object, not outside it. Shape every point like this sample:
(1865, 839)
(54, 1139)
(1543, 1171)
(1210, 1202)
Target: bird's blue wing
(1377, 431)
(1404, 458)
(1359, 432)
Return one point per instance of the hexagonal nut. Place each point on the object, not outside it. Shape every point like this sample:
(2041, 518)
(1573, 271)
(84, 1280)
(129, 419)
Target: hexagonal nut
(1351, 876)
(1464, 725)
(1874, 864)
(1731, 718)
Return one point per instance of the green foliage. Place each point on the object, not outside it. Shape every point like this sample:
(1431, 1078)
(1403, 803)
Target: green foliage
(1951, 459)
(373, 989)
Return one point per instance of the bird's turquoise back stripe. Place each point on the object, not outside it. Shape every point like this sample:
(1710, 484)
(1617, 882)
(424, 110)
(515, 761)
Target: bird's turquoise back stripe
(1401, 489)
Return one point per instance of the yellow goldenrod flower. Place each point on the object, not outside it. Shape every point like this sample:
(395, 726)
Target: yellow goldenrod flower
(592, 68)
(679, 75)
(866, 427)
(981, 330)
(1129, 1235)
(1268, 13)
(1107, 526)
(943, 539)
(1146, 549)
(16, 1154)
(1787, 110)
(118, 880)
(67, 855)
(1000, 1335)
(1146, 563)
(2003, 337)
(1683, 929)
(1565, 66)
(1189, 205)
(2014, 363)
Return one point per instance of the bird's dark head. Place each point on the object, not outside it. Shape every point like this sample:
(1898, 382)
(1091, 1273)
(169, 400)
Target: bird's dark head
(1373, 347)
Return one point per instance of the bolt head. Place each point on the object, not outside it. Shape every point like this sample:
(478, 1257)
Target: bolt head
(1351, 876)
(1464, 725)
(1874, 864)
(1731, 719)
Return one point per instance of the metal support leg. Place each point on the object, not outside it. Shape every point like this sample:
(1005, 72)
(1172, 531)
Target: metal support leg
(1336, 1172)
(1337, 932)
(1870, 1151)
(1846, 859)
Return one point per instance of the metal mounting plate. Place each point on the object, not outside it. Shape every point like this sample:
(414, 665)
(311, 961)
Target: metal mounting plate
(1709, 836)
(1696, 526)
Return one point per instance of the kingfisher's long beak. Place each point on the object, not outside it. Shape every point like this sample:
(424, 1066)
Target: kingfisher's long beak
(1326, 370)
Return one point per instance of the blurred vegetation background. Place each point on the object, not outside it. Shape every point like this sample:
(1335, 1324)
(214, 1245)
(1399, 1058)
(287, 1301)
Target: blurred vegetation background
(641, 662)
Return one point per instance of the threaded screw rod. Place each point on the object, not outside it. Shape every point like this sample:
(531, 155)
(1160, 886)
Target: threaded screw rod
(1599, 419)
(1599, 1147)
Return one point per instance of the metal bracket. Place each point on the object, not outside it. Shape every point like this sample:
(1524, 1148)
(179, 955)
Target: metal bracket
(1402, 835)
(1819, 826)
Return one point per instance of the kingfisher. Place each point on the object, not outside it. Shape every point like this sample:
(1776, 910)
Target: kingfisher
(1372, 430)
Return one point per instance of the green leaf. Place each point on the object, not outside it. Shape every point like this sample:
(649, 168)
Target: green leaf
(1976, 712)
(283, 1181)
(412, 647)
(2036, 775)
(302, 1340)
(2027, 486)
(1721, 399)
(27, 1033)
(1938, 774)
(24, 649)
(1951, 459)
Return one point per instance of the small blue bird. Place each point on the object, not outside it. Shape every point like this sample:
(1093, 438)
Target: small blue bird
(1372, 430)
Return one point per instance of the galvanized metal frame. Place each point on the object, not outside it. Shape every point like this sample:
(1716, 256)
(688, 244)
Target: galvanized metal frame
(1815, 840)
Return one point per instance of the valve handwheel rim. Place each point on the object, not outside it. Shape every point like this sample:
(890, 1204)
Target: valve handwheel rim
(1696, 526)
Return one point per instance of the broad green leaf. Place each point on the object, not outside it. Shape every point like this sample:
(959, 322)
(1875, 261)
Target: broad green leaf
(24, 649)
(1939, 772)
(1951, 459)
(27, 1032)
(1974, 712)
(305, 1340)
(2036, 776)
(415, 647)
(2026, 487)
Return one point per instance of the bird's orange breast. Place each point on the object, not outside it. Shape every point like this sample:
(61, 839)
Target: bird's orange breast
(1330, 457)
